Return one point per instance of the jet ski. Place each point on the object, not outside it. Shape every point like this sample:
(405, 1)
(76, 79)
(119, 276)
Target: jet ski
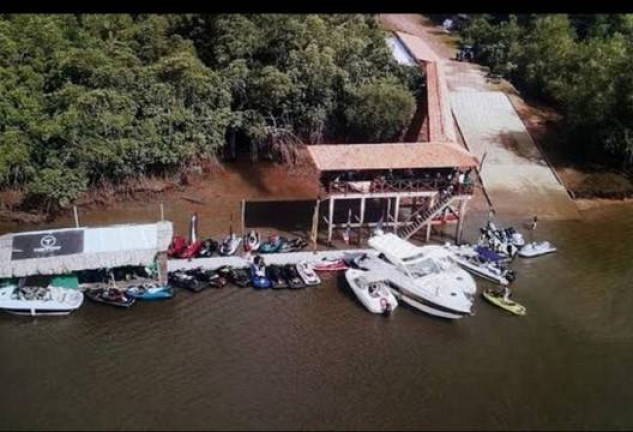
(258, 274)
(252, 241)
(273, 245)
(293, 245)
(274, 273)
(307, 274)
(290, 273)
(208, 248)
(535, 249)
(209, 277)
(237, 276)
(111, 296)
(230, 244)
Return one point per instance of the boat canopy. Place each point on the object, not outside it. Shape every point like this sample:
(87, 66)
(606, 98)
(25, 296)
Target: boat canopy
(488, 254)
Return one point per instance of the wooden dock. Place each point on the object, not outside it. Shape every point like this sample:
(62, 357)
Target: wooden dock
(273, 258)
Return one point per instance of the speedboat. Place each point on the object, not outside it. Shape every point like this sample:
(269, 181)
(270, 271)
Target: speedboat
(498, 300)
(33, 301)
(230, 244)
(375, 295)
(111, 296)
(423, 277)
(251, 241)
(274, 273)
(418, 261)
(307, 273)
(258, 276)
(150, 291)
(290, 273)
(535, 249)
(481, 262)
(272, 245)
(330, 265)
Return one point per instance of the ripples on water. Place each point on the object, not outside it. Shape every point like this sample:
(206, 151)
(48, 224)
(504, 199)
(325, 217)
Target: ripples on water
(236, 358)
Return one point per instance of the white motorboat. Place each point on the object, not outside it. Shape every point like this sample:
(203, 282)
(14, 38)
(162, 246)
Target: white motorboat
(423, 277)
(469, 259)
(416, 260)
(32, 301)
(307, 273)
(373, 294)
(535, 249)
(230, 244)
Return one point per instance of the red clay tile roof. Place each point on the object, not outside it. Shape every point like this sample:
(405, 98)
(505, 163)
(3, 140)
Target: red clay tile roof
(343, 157)
(441, 126)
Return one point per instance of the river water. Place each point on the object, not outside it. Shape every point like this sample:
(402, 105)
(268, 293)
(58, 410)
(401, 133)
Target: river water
(239, 359)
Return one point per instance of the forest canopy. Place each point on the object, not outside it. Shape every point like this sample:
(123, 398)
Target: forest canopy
(578, 63)
(92, 99)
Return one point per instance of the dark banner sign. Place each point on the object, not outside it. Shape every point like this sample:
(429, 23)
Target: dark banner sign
(47, 244)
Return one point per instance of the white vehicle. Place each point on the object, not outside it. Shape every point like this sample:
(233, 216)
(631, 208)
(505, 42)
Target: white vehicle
(535, 249)
(32, 301)
(423, 277)
(307, 273)
(469, 259)
(373, 294)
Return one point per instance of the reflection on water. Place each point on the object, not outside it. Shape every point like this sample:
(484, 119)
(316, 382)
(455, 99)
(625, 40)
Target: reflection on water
(316, 359)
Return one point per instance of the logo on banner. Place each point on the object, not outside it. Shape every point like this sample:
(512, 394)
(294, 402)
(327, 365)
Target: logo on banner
(48, 243)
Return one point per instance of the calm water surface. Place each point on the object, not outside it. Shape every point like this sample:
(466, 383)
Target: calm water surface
(316, 359)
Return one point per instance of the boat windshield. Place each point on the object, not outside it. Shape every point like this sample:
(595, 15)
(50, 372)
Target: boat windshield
(425, 267)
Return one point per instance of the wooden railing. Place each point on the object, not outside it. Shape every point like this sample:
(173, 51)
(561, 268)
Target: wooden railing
(383, 185)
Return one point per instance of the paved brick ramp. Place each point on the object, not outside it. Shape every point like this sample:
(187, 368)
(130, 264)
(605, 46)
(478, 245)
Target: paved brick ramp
(514, 173)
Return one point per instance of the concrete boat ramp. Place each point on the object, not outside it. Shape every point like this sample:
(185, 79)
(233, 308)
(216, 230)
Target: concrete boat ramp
(312, 257)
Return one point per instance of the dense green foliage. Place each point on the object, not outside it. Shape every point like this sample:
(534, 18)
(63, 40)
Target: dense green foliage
(86, 100)
(578, 62)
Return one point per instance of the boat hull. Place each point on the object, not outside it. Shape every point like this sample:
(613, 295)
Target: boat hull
(63, 302)
(429, 307)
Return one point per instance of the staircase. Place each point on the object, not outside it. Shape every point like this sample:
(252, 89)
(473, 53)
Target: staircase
(425, 217)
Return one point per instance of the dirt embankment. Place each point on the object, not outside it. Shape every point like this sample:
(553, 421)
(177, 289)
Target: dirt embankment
(209, 183)
(584, 179)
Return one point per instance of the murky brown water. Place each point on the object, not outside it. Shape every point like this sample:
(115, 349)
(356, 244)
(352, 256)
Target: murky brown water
(316, 359)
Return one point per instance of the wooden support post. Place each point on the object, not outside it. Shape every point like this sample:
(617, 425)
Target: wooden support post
(330, 221)
(76, 216)
(388, 209)
(396, 213)
(243, 220)
(362, 219)
(315, 223)
(162, 267)
(428, 227)
(460, 221)
(162, 212)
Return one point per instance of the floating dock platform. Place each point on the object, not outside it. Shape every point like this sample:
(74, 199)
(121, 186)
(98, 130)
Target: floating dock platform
(311, 257)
